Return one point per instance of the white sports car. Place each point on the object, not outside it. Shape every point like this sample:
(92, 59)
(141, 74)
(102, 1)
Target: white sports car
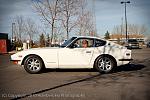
(77, 52)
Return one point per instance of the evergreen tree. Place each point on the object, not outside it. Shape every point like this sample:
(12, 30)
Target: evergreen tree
(107, 35)
(48, 40)
(42, 40)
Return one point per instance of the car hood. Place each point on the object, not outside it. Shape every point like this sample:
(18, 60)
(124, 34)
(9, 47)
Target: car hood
(36, 50)
(44, 48)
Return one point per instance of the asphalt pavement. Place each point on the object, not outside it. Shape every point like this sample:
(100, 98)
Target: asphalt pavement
(128, 82)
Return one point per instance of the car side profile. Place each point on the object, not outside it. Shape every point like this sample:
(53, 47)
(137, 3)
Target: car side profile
(75, 53)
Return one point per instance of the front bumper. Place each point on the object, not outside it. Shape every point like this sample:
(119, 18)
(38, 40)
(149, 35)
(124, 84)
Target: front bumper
(133, 46)
(15, 61)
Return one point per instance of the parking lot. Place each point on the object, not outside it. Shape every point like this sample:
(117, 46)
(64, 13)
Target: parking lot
(128, 82)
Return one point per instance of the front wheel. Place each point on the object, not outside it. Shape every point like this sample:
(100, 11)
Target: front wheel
(33, 64)
(104, 64)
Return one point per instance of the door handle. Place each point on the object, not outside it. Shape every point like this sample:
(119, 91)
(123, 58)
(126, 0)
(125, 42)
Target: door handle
(88, 51)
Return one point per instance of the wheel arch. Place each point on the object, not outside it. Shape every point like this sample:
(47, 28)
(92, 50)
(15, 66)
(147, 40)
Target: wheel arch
(22, 63)
(115, 62)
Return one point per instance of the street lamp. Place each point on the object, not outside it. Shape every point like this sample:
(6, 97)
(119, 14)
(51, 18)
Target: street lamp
(123, 2)
(13, 24)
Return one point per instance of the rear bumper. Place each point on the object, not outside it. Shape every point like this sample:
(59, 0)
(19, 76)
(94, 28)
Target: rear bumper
(125, 59)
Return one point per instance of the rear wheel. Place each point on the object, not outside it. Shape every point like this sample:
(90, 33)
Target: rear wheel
(104, 64)
(33, 64)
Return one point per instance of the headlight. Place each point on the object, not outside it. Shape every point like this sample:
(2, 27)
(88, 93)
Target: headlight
(130, 44)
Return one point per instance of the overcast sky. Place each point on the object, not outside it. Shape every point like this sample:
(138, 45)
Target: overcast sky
(108, 13)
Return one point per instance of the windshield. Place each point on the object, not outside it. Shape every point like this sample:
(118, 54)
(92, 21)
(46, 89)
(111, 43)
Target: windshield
(67, 42)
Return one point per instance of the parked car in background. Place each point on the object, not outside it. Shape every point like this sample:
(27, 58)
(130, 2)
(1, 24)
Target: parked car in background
(133, 44)
(75, 53)
(148, 44)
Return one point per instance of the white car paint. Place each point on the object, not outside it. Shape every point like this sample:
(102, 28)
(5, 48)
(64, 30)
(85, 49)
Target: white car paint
(55, 57)
(75, 58)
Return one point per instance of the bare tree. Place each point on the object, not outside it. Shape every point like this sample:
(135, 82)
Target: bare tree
(19, 27)
(63, 16)
(143, 29)
(118, 29)
(132, 29)
(77, 17)
(23, 28)
(69, 12)
(85, 24)
(30, 28)
(48, 10)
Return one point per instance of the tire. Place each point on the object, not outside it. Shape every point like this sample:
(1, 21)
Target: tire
(104, 64)
(33, 64)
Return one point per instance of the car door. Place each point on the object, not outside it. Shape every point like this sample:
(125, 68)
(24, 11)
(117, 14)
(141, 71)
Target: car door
(75, 56)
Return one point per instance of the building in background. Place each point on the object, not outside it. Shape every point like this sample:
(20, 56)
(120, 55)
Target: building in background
(4, 43)
(121, 38)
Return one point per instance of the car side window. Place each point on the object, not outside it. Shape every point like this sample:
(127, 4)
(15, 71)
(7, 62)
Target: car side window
(83, 43)
(99, 43)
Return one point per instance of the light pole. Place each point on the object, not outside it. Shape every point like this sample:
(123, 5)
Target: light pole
(125, 2)
(13, 24)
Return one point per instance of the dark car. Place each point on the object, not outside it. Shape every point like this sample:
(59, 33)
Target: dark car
(148, 44)
(133, 43)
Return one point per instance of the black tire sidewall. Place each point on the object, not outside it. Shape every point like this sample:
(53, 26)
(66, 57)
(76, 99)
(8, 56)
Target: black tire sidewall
(26, 66)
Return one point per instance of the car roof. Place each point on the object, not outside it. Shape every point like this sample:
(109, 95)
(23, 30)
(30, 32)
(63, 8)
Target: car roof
(91, 37)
